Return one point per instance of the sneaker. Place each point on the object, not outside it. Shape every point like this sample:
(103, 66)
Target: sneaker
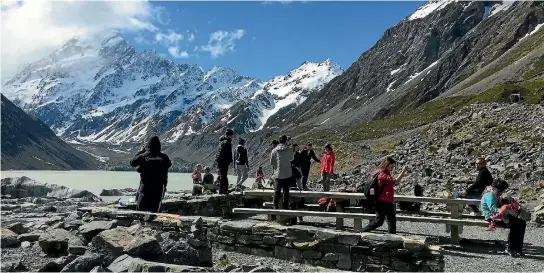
(491, 226)
(513, 254)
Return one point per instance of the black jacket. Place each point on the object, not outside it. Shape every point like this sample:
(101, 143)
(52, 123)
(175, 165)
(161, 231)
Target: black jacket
(296, 162)
(241, 156)
(152, 165)
(224, 154)
(306, 157)
(483, 180)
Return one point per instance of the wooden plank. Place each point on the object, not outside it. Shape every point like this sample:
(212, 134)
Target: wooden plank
(464, 222)
(315, 207)
(351, 195)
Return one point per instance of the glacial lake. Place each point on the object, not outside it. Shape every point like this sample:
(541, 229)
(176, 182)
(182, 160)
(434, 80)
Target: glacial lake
(96, 181)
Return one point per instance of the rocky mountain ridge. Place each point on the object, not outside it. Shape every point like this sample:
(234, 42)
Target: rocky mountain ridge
(28, 144)
(100, 89)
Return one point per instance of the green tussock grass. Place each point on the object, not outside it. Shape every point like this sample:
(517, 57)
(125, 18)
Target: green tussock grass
(536, 70)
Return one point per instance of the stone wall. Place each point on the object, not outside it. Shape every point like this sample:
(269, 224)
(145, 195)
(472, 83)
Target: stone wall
(303, 244)
(328, 248)
(208, 205)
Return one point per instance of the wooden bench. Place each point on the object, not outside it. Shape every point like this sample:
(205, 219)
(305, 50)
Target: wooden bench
(453, 223)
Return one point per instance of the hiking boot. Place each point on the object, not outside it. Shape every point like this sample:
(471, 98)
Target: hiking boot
(520, 253)
(491, 226)
(513, 254)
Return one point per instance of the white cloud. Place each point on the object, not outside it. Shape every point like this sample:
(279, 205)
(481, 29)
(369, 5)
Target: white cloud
(32, 29)
(222, 42)
(176, 53)
(172, 38)
(192, 37)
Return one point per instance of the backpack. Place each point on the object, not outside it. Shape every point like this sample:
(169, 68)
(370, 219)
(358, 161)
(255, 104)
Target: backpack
(371, 188)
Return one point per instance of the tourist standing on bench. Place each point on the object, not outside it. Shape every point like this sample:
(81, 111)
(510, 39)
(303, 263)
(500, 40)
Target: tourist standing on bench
(306, 157)
(385, 208)
(327, 167)
(153, 168)
(280, 159)
(242, 163)
(483, 180)
(223, 160)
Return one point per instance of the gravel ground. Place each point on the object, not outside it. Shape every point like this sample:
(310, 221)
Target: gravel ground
(480, 251)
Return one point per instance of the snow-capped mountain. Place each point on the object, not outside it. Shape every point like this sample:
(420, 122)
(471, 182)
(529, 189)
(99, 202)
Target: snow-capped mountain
(101, 89)
(277, 97)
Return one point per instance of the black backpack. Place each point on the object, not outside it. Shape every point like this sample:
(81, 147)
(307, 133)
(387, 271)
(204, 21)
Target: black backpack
(372, 183)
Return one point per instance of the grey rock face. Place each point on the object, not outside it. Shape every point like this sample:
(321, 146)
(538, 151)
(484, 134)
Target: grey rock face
(125, 263)
(83, 263)
(9, 238)
(145, 247)
(110, 243)
(25, 187)
(57, 241)
(89, 230)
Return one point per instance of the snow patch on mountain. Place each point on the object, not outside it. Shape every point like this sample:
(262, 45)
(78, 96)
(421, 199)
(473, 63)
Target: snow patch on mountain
(428, 8)
(505, 5)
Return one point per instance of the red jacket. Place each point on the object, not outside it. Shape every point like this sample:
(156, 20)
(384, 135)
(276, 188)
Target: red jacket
(327, 162)
(386, 182)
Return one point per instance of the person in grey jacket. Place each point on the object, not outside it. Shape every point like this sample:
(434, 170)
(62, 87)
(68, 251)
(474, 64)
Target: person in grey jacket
(280, 159)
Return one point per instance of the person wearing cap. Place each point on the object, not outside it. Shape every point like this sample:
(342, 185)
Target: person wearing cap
(280, 159)
(242, 163)
(385, 208)
(223, 159)
(306, 157)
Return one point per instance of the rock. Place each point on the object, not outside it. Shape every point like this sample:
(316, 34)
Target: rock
(377, 240)
(83, 263)
(8, 238)
(111, 243)
(26, 244)
(413, 244)
(184, 253)
(57, 265)
(77, 250)
(89, 230)
(30, 237)
(56, 241)
(344, 261)
(287, 254)
(454, 144)
(125, 263)
(20, 187)
(98, 269)
(538, 217)
(145, 247)
(11, 265)
(18, 228)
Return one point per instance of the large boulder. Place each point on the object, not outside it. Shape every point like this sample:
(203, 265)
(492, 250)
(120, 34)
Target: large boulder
(18, 228)
(89, 230)
(186, 254)
(8, 238)
(20, 187)
(538, 215)
(83, 263)
(126, 263)
(145, 247)
(56, 241)
(111, 243)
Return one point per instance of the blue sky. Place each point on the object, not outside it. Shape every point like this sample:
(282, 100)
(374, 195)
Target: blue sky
(270, 39)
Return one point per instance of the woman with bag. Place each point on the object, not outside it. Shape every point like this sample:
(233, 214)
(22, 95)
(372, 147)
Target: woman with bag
(327, 166)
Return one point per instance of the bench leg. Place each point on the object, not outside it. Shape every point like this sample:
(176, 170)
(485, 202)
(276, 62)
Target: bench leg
(339, 221)
(454, 229)
(357, 225)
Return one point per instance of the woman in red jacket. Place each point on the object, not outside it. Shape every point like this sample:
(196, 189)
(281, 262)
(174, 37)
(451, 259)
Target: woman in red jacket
(327, 166)
(385, 208)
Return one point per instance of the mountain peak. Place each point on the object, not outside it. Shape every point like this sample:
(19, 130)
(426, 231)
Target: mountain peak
(429, 7)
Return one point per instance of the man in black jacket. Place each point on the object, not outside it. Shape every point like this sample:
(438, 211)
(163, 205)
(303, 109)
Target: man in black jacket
(153, 167)
(223, 160)
(483, 180)
(305, 162)
(242, 163)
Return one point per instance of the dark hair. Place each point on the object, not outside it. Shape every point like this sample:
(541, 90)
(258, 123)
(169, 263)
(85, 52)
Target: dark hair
(283, 139)
(230, 132)
(309, 144)
(328, 146)
(242, 141)
(295, 145)
(500, 184)
(275, 142)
